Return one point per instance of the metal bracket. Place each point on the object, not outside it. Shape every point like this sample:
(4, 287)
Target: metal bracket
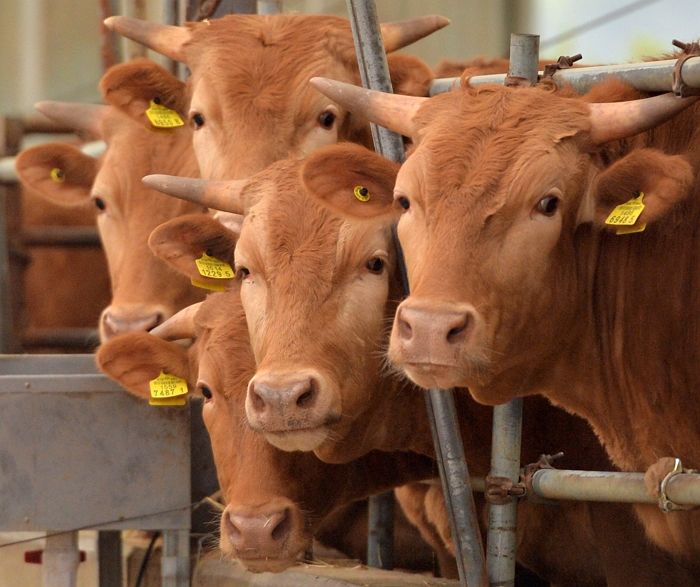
(502, 490)
(544, 462)
(666, 505)
(564, 62)
(679, 87)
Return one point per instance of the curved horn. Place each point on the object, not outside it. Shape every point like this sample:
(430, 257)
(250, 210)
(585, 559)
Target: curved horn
(81, 117)
(393, 111)
(402, 33)
(617, 120)
(218, 195)
(179, 325)
(165, 39)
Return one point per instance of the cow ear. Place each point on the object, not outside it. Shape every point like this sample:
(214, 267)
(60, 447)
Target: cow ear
(351, 180)
(57, 172)
(136, 358)
(180, 241)
(663, 179)
(409, 75)
(130, 87)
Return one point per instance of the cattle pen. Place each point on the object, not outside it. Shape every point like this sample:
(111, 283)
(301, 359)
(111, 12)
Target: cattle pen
(43, 477)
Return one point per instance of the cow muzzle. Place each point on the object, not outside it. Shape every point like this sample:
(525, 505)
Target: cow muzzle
(429, 342)
(116, 320)
(268, 540)
(293, 410)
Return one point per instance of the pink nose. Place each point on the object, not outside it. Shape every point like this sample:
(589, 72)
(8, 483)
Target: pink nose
(256, 536)
(113, 324)
(282, 405)
(434, 335)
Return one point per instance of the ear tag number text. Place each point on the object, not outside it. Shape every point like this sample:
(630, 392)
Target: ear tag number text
(626, 215)
(168, 390)
(162, 116)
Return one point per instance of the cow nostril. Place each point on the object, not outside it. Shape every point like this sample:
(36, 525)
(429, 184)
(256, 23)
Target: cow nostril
(459, 332)
(257, 402)
(232, 530)
(454, 333)
(283, 527)
(307, 399)
(157, 320)
(405, 330)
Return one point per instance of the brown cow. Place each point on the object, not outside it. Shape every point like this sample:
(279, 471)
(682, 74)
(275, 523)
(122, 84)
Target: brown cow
(541, 296)
(144, 291)
(275, 500)
(317, 293)
(251, 103)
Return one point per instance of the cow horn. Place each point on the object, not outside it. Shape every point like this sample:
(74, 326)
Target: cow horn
(165, 39)
(179, 325)
(617, 120)
(217, 195)
(393, 111)
(80, 117)
(402, 33)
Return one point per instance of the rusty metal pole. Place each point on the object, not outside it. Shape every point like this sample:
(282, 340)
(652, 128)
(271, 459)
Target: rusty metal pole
(454, 474)
(507, 418)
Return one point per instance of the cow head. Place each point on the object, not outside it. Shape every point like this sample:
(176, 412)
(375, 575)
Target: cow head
(250, 101)
(497, 205)
(274, 500)
(315, 290)
(144, 291)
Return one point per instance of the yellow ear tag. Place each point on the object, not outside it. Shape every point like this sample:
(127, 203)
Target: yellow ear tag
(58, 175)
(626, 215)
(163, 117)
(209, 286)
(361, 193)
(167, 390)
(214, 268)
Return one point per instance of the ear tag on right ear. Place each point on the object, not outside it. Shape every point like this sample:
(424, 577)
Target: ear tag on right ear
(214, 268)
(361, 193)
(626, 215)
(167, 390)
(58, 175)
(162, 116)
(210, 286)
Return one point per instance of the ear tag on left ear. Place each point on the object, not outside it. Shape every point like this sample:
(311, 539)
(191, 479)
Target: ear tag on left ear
(58, 175)
(361, 193)
(626, 215)
(167, 390)
(162, 116)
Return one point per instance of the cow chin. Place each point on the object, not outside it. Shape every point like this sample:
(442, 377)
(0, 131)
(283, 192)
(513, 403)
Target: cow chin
(430, 376)
(298, 440)
(266, 565)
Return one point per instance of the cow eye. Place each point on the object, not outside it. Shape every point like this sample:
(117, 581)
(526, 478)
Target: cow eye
(375, 265)
(99, 203)
(197, 120)
(242, 272)
(548, 205)
(326, 119)
(404, 202)
(206, 392)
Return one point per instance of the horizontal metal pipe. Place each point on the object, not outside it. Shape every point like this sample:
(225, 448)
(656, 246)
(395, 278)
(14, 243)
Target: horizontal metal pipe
(7, 164)
(683, 488)
(60, 337)
(651, 76)
(64, 236)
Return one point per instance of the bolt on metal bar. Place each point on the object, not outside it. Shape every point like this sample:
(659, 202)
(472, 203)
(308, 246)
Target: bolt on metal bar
(651, 76)
(683, 488)
(454, 473)
(507, 418)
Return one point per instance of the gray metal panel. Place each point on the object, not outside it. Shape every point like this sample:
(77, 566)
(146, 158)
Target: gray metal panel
(74, 458)
(47, 364)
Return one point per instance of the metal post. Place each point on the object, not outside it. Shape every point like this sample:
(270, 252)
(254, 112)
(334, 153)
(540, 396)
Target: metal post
(380, 533)
(109, 557)
(60, 559)
(507, 418)
(374, 72)
(175, 564)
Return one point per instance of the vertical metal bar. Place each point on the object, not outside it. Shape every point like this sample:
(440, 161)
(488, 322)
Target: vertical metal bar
(374, 72)
(60, 559)
(380, 534)
(6, 326)
(109, 558)
(507, 418)
(175, 563)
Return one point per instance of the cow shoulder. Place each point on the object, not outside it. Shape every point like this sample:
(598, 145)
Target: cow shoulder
(136, 358)
(351, 180)
(132, 86)
(182, 240)
(57, 172)
(664, 180)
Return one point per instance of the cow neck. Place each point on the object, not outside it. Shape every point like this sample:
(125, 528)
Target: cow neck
(634, 365)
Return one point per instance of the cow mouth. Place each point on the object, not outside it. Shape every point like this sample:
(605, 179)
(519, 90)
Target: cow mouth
(266, 564)
(432, 375)
(305, 439)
